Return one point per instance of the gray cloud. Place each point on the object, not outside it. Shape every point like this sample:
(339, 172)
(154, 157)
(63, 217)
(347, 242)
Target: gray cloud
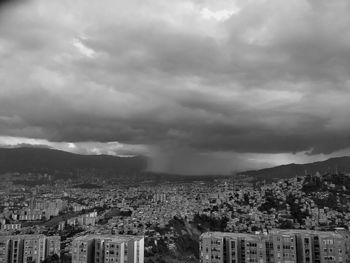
(243, 77)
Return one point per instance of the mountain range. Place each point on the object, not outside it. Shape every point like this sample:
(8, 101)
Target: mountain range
(333, 166)
(31, 159)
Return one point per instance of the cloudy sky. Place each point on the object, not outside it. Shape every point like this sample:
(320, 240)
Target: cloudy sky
(199, 86)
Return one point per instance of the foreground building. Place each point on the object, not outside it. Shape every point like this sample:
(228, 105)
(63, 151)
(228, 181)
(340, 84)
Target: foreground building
(28, 248)
(108, 248)
(278, 246)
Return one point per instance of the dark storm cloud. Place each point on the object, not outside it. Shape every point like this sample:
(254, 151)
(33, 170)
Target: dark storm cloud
(5, 3)
(188, 78)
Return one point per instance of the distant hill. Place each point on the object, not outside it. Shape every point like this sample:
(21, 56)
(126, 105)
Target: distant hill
(30, 159)
(340, 164)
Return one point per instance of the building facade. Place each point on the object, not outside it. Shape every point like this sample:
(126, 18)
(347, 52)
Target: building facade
(278, 246)
(28, 248)
(108, 248)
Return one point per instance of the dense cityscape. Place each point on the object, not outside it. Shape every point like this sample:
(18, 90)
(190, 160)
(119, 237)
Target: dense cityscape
(166, 221)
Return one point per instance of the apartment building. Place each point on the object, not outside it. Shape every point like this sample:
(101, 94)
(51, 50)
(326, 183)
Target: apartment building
(4, 249)
(284, 247)
(31, 215)
(33, 248)
(108, 248)
(8, 227)
(278, 246)
(52, 245)
(83, 249)
(28, 248)
(320, 246)
(219, 247)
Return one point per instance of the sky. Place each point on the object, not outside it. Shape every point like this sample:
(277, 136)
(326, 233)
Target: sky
(198, 86)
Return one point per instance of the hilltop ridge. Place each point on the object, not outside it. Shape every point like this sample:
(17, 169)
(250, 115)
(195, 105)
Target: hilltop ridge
(332, 165)
(32, 159)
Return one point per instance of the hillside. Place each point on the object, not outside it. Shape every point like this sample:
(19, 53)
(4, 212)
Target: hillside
(340, 164)
(43, 159)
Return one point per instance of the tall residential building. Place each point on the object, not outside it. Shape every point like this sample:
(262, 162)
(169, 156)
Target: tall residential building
(278, 246)
(28, 248)
(284, 247)
(217, 247)
(4, 249)
(108, 248)
(83, 249)
(320, 246)
(53, 245)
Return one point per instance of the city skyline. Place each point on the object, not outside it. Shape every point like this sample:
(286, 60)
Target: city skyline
(198, 86)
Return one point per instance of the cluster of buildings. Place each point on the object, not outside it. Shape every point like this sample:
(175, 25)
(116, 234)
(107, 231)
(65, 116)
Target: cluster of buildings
(88, 219)
(34, 210)
(277, 246)
(36, 248)
(147, 209)
(28, 248)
